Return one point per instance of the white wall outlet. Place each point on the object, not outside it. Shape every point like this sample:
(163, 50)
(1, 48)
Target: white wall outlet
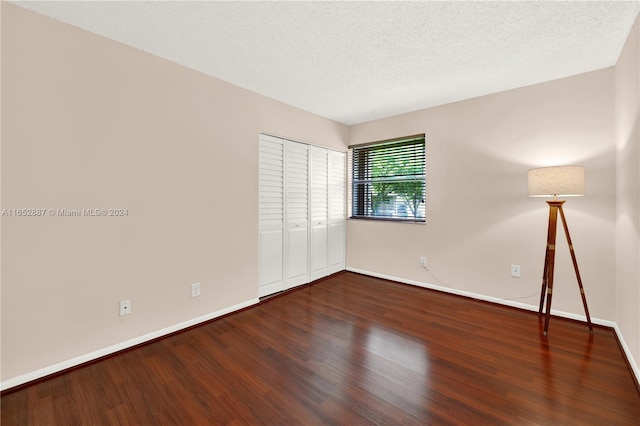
(195, 289)
(423, 261)
(515, 271)
(125, 307)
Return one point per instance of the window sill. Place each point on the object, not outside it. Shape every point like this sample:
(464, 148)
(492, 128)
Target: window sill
(389, 219)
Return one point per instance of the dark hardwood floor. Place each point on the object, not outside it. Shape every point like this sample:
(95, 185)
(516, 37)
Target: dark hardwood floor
(351, 350)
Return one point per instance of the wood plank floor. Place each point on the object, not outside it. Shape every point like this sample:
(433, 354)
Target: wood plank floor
(351, 350)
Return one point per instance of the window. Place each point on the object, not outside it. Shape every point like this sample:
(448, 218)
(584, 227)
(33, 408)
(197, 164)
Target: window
(388, 180)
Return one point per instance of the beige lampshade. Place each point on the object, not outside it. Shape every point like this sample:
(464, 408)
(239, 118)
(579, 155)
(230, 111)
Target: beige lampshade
(559, 180)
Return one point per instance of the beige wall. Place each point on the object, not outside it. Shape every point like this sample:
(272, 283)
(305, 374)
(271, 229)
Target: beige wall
(627, 96)
(1, 31)
(479, 218)
(90, 123)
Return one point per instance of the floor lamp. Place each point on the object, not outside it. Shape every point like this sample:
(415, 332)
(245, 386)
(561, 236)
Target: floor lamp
(554, 182)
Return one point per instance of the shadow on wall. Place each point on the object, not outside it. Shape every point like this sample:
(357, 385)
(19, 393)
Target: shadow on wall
(627, 158)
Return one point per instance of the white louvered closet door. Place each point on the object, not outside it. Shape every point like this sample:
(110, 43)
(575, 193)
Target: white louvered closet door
(319, 208)
(302, 213)
(296, 213)
(271, 215)
(337, 212)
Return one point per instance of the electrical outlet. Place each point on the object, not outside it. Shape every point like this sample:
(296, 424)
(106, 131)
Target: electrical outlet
(515, 271)
(195, 289)
(423, 261)
(125, 307)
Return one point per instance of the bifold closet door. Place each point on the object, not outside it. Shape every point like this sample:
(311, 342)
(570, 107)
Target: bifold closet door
(337, 234)
(302, 213)
(296, 213)
(270, 215)
(319, 208)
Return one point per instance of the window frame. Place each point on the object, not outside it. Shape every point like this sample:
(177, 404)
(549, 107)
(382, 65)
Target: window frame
(362, 182)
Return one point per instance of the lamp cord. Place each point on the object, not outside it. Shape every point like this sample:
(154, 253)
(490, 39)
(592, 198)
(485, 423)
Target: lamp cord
(497, 300)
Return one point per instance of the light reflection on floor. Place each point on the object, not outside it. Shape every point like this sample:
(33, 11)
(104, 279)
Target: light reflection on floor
(407, 352)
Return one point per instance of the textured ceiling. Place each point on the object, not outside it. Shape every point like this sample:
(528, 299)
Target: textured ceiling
(358, 61)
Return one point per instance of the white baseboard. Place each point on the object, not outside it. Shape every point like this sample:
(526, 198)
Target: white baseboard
(606, 323)
(73, 362)
(55, 368)
(627, 352)
(482, 297)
